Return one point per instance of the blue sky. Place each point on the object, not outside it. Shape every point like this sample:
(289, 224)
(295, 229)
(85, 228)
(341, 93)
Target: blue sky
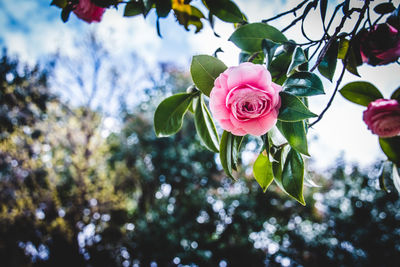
(33, 30)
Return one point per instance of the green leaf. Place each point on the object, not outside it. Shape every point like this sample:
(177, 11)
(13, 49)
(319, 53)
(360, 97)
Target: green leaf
(225, 10)
(391, 148)
(188, 15)
(205, 126)
(327, 66)
(298, 59)
(133, 8)
(384, 8)
(295, 134)
(352, 62)
(361, 93)
(396, 177)
(249, 37)
(262, 170)
(279, 67)
(236, 143)
(258, 59)
(293, 109)
(277, 167)
(304, 84)
(163, 8)
(169, 114)
(396, 94)
(65, 12)
(293, 176)
(343, 47)
(59, 3)
(204, 70)
(225, 153)
(269, 47)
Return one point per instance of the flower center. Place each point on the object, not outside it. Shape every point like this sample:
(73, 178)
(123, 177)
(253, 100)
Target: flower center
(248, 103)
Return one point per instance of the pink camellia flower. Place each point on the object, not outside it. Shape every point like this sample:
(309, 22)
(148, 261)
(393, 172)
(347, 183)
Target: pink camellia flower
(383, 117)
(379, 45)
(244, 100)
(88, 11)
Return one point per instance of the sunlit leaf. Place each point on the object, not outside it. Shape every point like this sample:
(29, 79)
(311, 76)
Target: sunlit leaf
(295, 134)
(361, 93)
(249, 37)
(262, 170)
(293, 109)
(187, 14)
(298, 59)
(204, 70)
(168, 117)
(205, 126)
(225, 153)
(269, 47)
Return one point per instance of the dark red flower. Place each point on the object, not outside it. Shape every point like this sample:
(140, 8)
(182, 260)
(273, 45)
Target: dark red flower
(379, 45)
(88, 11)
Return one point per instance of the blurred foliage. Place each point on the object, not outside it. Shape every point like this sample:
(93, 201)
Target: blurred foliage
(74, 196)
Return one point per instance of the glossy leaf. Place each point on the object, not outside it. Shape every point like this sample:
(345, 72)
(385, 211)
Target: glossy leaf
(133, 8)
(328, 64)
(236, 143)
(304, 84)
(225, 153)
(391, 148)
(262, 170)
(295, 134)
(249, 37)
(384, 8)
(298, 59)
(277, 167)
(168, 116)
(279, 67)
(396, 95)
(225, 10)
(361, 93)
(257, 59)
(293, 176)
(269, 47)
(352, 61)
(293, 109)
(396, 177)
(205, 126)
(204, 70)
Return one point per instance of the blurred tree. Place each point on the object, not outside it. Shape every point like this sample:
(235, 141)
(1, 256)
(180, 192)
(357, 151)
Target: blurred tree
(71, 197)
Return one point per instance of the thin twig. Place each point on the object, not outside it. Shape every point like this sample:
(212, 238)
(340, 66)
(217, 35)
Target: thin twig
(287, 12)
(333, 95)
